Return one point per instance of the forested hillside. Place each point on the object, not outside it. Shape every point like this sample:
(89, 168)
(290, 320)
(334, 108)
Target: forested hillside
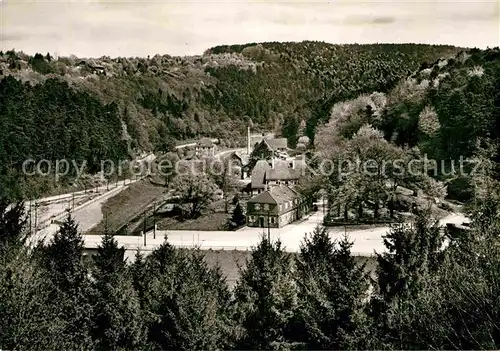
(87, 108)
(447, 111)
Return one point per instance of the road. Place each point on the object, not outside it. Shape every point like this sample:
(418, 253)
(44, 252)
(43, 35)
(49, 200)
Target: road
(227, 152)
(87, 214)
(98, 189)
(365, 241)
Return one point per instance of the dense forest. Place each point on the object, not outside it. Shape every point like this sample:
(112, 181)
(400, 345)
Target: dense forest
(49, 121)
(66, 106)
(445, 112)
(432, 289)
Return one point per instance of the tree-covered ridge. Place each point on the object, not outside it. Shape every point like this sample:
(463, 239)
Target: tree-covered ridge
(298, 81)
(163, 98)
(50, 121)
(446, 110)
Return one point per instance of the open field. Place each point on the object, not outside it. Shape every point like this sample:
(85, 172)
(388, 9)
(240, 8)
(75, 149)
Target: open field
(209, 221)
(127, 205)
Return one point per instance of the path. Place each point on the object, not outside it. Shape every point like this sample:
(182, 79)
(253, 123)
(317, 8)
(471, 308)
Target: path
(365, 241)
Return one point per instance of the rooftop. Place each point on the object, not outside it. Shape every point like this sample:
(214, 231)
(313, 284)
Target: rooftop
(274, 144)
(276, 195)
(259, 173)
(282, 173)
(205, 142)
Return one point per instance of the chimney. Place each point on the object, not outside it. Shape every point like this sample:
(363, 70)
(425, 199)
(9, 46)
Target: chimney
(248, 140)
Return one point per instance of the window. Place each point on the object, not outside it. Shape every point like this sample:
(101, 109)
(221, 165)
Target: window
(257, 207)
(272, 220)
(266, 207)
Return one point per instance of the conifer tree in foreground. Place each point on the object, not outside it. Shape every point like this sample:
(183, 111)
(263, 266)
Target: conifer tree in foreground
(118, 321)
(185, 300)
(12, 224)
(71, 288)
(332, 286)
(266, 297)
(28, 321)
(404, 274)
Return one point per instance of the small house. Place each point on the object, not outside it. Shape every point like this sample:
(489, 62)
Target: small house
(205, 148)
(276, 207)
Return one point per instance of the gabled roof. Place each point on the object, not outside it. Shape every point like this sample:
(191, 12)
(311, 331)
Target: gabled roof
(282, 173)
(263, 198)
(258, 174)
(235, 155)
(205, 142)
(280, 143)
(276, 195)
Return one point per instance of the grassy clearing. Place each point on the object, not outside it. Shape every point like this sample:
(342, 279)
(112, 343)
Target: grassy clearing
(127, 205)
(209, 221)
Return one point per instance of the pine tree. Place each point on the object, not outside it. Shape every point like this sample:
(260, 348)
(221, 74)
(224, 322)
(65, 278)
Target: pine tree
(404, 274)
(12, 224)
(63, 257)
(29, 317)
(238, 217)
(266, 298)
(186, 300)
(118, 319)
(332, 289)
(72, 292)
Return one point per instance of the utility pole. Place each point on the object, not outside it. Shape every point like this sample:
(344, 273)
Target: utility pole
(144, 228)
(268, 227)
(31, 232)
(36, 215)
(73, 201)
(105, 223)
(154, 221)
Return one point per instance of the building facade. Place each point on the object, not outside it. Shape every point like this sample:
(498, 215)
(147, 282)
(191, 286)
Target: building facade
(276, 207)
(205, 148)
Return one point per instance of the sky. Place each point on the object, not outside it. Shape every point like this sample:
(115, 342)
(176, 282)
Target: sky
(139, 28)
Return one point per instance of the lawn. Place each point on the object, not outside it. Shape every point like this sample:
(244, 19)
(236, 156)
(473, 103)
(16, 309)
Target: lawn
(128, 204)
(208, 221)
